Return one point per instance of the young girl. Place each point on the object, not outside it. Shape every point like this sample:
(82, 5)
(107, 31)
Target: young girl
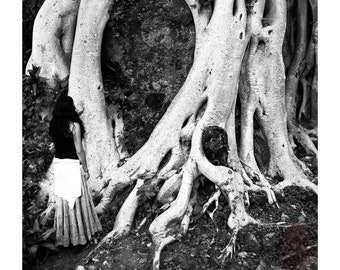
(75, 218)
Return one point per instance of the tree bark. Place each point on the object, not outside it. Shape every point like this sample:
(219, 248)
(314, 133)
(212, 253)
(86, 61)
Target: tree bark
(53, 35)
(238, 51)
(86, 88)
(293, 77)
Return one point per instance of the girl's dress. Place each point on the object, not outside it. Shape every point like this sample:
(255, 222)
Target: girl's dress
(75, 219)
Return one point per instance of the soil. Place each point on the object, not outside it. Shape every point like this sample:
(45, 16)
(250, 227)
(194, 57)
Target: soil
(292, 245)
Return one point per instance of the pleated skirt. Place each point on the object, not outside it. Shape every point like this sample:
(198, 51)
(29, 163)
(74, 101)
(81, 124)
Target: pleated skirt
(76, 226)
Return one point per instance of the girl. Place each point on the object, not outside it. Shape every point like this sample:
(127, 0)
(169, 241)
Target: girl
(75, 218)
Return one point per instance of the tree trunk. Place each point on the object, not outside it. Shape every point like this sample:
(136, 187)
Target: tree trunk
(238, 51)
(53, 35)
(293, 76)
(86, 88)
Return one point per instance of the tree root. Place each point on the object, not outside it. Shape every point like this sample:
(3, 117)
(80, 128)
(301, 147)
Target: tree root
(302, 182)
(303, 138)
(229, 250)
(213, 199)
(261, 183)
(305, 96)
(175, 149)
(171, 224)
(53, 35)
(124, 218)
(170, 188)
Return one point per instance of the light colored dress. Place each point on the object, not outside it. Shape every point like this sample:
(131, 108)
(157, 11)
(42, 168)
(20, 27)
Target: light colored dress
(75, 219)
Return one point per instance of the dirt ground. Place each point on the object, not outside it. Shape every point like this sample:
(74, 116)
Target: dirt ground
(292, 246)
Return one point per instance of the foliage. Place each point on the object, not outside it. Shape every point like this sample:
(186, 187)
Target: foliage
(147, 206)
(37, 244)
(37, 100)
(141, 109)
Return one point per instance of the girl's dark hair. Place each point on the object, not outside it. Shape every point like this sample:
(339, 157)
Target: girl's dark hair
(64, 112)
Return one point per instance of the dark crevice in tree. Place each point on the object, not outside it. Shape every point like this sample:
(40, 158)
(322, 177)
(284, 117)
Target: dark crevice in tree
(215, 145)
(186, 121)
(235, 7)
(206, 5)
(261, 45)
(165, 160)
(201, 109)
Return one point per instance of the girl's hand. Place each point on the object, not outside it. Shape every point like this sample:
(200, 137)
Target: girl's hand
(86, 174)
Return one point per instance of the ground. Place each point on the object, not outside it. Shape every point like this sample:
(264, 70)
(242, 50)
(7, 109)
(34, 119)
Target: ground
(291, 246)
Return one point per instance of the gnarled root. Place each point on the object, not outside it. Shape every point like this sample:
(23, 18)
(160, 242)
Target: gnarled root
(296, 180)
(124, 218)
(53, 35)
(299, 133)
(172, 224)
(175, 151)
(293, 76)
(213, 199)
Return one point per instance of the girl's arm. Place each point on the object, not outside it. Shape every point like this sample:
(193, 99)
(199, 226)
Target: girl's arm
(75, 127)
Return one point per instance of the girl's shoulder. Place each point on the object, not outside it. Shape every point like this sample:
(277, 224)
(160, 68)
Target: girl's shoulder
(74, 126)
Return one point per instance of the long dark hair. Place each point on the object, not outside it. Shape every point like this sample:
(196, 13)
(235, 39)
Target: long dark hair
(64, 112)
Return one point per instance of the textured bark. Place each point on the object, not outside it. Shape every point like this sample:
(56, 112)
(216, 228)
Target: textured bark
(293, 77)
(238, 50)
(314, 45)
(53, 35)
(262, 92)
(86, 88)
(314, 87)
(209, 94)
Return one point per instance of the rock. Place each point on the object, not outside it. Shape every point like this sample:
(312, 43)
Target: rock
(80, 267)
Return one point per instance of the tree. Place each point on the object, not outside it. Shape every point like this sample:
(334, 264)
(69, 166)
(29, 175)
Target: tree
(242, 50)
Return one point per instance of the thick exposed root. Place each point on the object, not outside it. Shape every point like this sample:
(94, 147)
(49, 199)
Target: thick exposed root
(301, 181)
(303, 138)
(170, 188)
(295, 71)
(168, 226)
(262, 182)
(53, 35)
(305, 96)
(127, 212)
(86, 89)
(124, 218)
(207, 99)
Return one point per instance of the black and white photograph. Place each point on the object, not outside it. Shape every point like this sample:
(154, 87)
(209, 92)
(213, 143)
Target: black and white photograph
(171, 135)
